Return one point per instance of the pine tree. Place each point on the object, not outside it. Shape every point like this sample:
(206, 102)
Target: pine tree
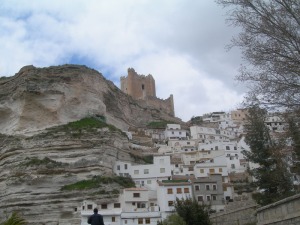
(272, 176)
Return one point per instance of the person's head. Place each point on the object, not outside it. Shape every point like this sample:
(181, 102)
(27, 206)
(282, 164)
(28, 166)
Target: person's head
(95, 210)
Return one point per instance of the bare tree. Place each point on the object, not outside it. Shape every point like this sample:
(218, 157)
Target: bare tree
(270, 45)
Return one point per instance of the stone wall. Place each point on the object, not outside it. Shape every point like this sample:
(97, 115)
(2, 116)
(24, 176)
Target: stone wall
(138, 86)
(167, 105)
(142, 88)
(284, 212)
(242, 214)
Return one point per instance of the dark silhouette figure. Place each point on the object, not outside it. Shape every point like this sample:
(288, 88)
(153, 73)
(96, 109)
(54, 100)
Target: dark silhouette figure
(96, 219)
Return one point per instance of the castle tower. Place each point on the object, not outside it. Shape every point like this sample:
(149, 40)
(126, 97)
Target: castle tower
(138, 86)
(141, 87)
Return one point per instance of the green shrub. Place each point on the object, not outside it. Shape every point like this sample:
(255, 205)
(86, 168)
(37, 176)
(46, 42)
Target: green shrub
(158, 124)
(49, 163)
(97, 181)
(14, 219)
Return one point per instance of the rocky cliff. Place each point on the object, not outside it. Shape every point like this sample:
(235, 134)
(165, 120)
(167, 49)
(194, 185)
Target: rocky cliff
(47, 176)
(49, 164)
(37, 98)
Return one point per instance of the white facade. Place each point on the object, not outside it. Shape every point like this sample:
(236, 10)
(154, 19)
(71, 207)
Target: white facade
(133, 208)
(182, 145)
(146, 174)
(111, 212)
(174, 132)
(167, 192)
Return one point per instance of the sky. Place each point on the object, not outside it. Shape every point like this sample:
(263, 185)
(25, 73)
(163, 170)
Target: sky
(181, 43)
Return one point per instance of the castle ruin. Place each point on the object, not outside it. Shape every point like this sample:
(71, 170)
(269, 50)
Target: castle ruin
(142, 88)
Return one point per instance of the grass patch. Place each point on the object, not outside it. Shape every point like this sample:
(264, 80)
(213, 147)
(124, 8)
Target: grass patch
(97, 181)
(88, 123)
(85, 125)
(49, 163)
(158, 124)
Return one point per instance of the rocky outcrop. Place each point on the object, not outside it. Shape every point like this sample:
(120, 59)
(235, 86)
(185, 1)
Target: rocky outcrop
(42, 151)
(37, 98)
(34, 170)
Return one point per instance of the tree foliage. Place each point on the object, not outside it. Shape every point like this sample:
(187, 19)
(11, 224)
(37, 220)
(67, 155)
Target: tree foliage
(173, 219)
(270, 45)
(14, 219)
(192, 212)
(293, 121)
(272, 176)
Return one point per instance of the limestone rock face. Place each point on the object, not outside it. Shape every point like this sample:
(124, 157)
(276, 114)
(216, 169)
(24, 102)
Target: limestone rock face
(37, 98)
(37, 160)
(33, 171)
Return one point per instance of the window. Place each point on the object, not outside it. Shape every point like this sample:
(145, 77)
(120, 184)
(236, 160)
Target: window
(136, 195)
(125, 166)
(197, 188)
(188, 143)
(214, 197)
(140, 220)
(170, 203)
(162, 170)
(211, 170)
(235, 148)
(103, 206)
(172, 132)
(141, 205)
(207, 197)
(113, 219)
(83, 207)
(170, 191)
(207, 187)
(214, 187)
(216, 147)
(118, 167)
(178, 190)
(186, 190)
(201, 170)
(125, 221)
(146, 171)
(220, 170)
(117, 205)
(200, 198)
(133, 203)
(227, 148)
(143, 86)
(89, 206)
(179, 132)
(149, 182)
(136, 172)
(147, 220)
(75, 209)
(232, 166)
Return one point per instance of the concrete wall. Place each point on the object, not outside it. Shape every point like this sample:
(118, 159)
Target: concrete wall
(241, 215)
(284, 212)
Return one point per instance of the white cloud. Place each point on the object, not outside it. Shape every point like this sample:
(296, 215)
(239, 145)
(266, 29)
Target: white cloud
(181, 43)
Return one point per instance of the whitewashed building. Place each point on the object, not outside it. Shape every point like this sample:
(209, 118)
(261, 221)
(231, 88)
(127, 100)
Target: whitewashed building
(145, 175)
(174, 132)
(168, 191)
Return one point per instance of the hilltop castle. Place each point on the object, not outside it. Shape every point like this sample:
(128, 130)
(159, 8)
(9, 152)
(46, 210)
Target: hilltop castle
(142, 88)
